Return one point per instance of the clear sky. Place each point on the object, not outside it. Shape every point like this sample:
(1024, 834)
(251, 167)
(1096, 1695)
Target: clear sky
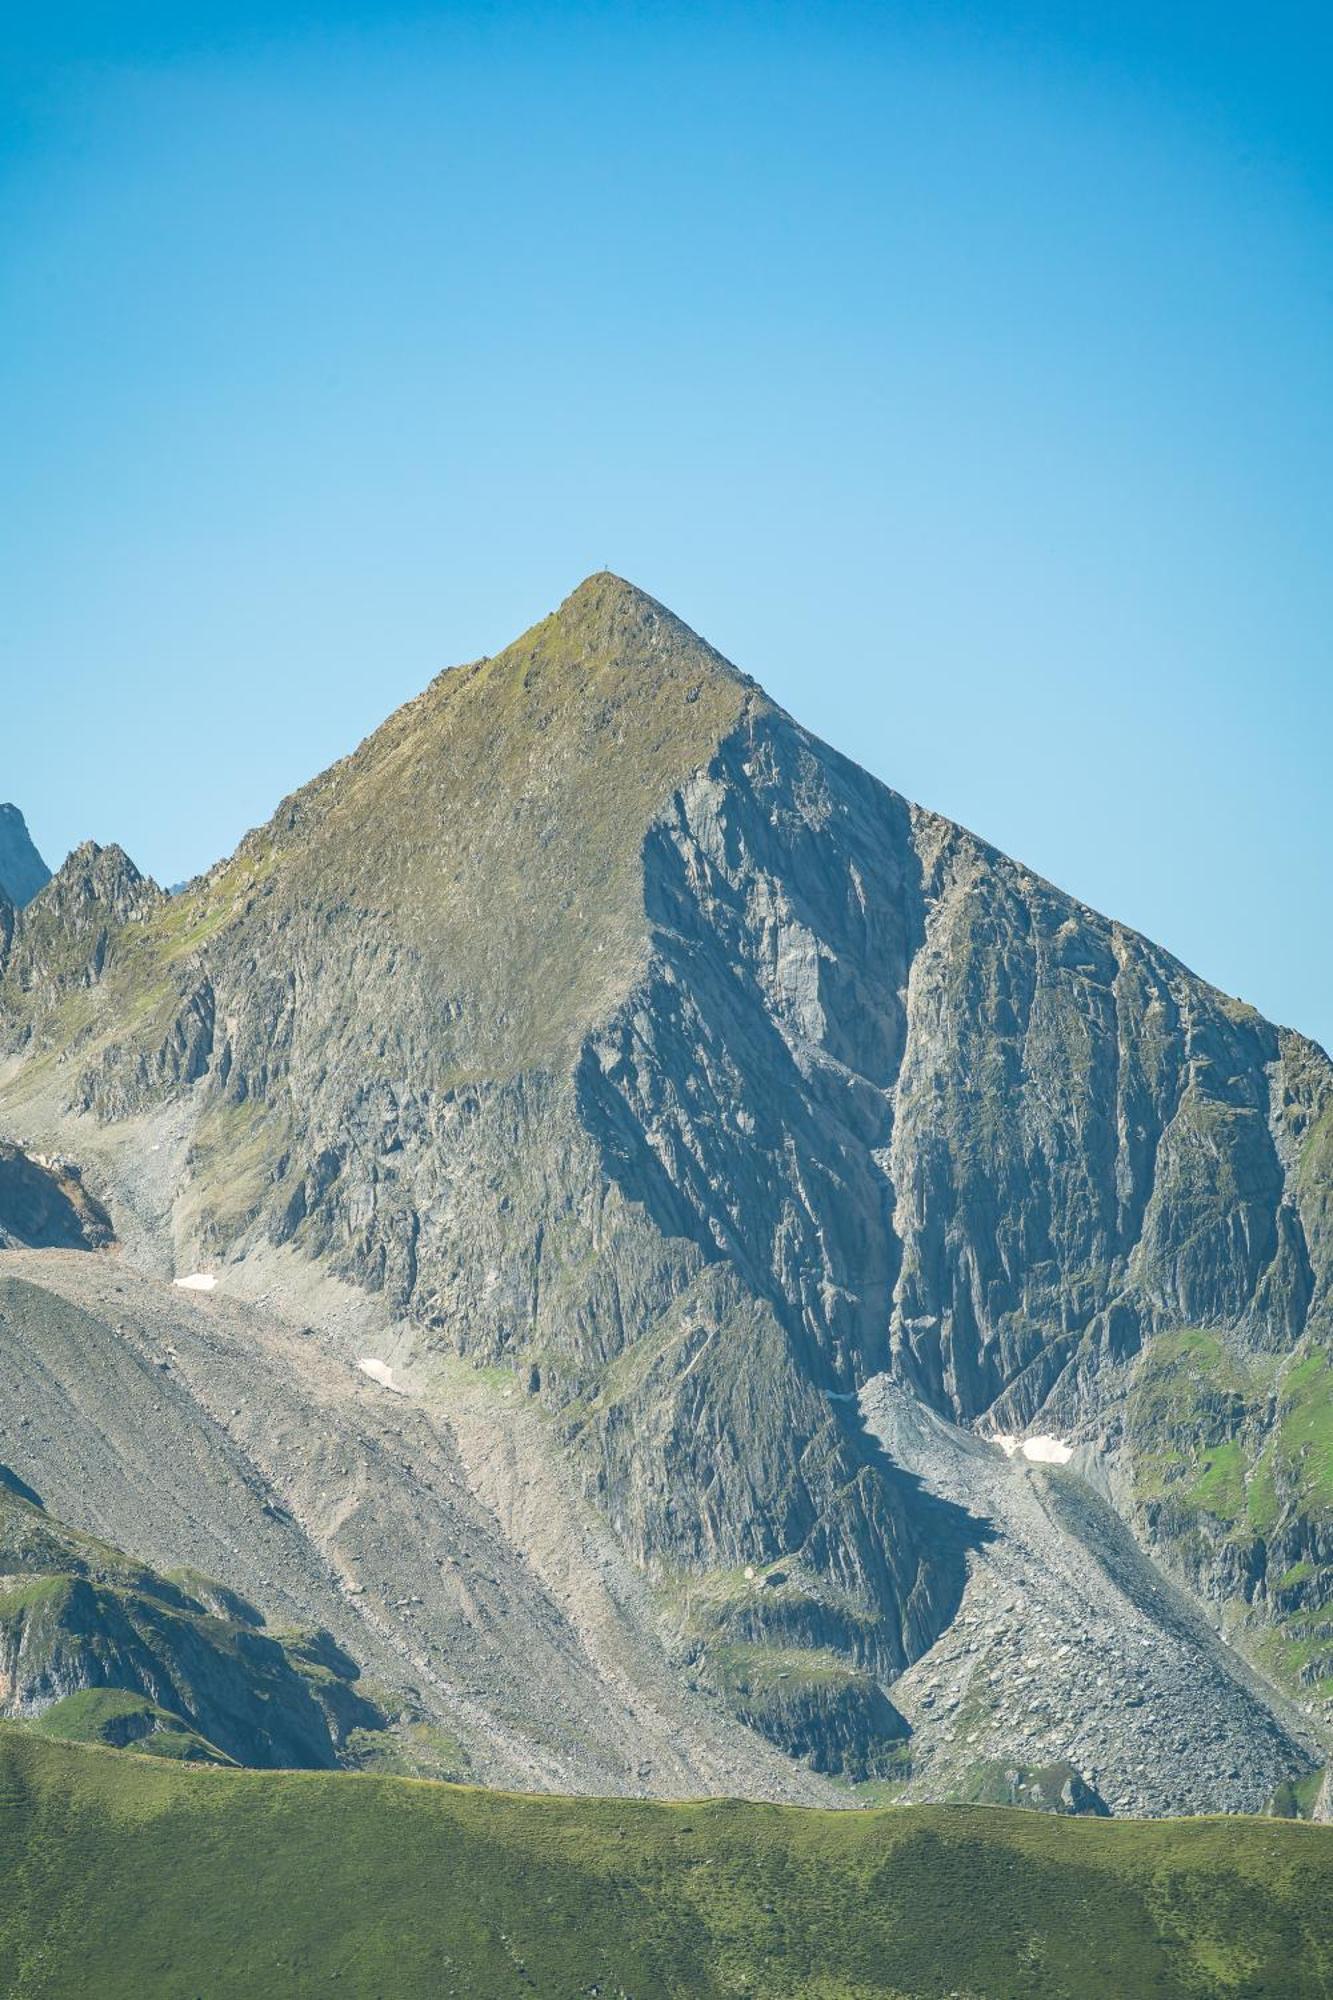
(964, 372)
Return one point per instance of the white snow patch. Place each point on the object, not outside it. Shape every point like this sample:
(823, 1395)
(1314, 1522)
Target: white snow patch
(380, 1371)
(198, 1281)
(1044, 1450)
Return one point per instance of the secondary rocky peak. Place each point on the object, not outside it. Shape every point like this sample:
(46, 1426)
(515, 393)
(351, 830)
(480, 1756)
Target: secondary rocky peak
(22, 869)
(63, 939)
(94, 883)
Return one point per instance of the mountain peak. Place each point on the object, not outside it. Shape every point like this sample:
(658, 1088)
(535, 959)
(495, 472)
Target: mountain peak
(22, 869)
(602, 585)
(617, 630)
(794, 1147)
(604, 595)
(523, 785)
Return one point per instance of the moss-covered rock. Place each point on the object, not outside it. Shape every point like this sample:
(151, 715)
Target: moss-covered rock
(814, 1706)
(120, 1719)
(1056, 1788)
(98, 1646)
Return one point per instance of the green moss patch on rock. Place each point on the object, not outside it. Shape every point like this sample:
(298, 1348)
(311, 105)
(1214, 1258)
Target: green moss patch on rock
(813, 1705)
(1297, 1798)
(1231, 1455)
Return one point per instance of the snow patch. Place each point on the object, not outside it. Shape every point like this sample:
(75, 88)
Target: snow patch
(1043, 1450)
(198, 1281)
(380, 1371)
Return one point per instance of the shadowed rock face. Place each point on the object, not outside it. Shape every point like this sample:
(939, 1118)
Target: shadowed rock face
(77, 1616)
(46, 1207)
(22, 869)
(606, 1022)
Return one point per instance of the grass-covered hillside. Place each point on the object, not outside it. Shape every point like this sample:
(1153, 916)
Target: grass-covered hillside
(133, 1877)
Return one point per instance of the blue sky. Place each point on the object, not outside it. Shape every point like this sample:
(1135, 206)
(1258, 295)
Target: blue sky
(965, 373)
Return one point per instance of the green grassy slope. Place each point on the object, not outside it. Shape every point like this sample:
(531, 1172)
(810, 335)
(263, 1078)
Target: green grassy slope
(130, 1877)
(117, 1718)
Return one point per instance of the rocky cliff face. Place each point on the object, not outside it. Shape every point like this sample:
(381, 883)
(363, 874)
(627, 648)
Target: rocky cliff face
(22, 869)
(612, 1028)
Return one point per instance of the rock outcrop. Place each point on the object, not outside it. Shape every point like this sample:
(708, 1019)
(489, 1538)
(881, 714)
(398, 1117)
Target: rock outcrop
(58, 945)
(95, 1644)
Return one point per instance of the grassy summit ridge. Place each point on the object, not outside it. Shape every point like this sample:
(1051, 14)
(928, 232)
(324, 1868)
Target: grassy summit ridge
(491, 827)
(136, 1877)
(497, 819)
